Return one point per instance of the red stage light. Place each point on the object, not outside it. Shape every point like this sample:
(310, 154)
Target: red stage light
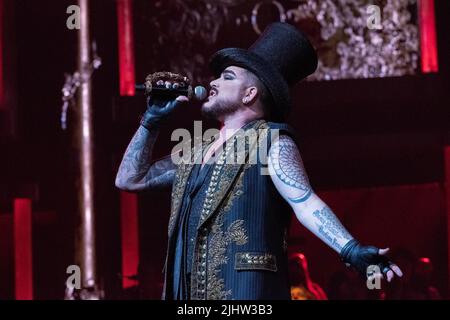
(428, 45)
(130, 237)
(425, 260)
(1, 55)
(447, 196)
(23, 257)
(126, 47)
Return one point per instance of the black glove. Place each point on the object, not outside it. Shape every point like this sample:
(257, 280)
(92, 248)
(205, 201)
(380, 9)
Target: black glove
(157, 112)
(361, 257)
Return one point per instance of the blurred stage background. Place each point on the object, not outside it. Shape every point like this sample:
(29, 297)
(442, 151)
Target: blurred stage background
(373, 124)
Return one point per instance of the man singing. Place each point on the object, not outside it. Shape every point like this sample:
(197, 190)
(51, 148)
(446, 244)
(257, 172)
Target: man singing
(229, 222)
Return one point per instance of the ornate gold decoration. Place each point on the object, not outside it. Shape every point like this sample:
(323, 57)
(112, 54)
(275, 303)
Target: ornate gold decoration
(255, 261)
(219, 242)
(154, 78)
(347, 47)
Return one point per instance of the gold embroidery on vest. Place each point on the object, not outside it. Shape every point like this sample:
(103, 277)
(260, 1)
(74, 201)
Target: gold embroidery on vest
(177, 192)
(217, 248)
(209, 255)
(219, 242)
(223, 176)
(180, 181)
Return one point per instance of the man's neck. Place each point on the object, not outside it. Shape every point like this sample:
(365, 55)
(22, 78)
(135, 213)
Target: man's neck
(229, 126)
(233, 123)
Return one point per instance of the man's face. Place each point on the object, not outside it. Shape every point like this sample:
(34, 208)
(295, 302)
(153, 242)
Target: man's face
(225, 96)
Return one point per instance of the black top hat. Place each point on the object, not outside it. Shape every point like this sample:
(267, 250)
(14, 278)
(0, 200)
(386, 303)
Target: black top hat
(281, 57)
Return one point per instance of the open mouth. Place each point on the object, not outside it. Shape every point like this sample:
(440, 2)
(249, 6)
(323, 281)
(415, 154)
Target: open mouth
(212, 93)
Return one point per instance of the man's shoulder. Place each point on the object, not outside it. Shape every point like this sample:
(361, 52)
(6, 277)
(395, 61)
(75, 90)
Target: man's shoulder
(282, 126)
(283, 129)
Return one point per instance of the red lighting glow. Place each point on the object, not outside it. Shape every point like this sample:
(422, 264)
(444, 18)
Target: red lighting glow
(425, 260)
(447, 196)
(126, 47)
(130, 237)
(1, 54)
(23, 249)
(428, 45)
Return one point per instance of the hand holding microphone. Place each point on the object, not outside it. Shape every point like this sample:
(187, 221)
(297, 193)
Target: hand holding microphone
(168, 90)
(165, 92)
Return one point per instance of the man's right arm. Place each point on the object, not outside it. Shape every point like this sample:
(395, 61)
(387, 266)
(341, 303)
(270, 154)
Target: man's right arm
(137, 172)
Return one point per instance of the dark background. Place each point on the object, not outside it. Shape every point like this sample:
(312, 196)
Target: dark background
(373, 148)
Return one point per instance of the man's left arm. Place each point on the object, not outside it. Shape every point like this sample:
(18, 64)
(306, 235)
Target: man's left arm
(289, 177)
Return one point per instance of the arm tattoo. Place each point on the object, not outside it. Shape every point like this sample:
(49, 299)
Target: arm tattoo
(330, 227)
(136, 172)
(161, 174)
(288, 166)
(162, 181)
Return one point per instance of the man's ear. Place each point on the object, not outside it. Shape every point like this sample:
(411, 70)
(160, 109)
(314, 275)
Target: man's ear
(250, 96)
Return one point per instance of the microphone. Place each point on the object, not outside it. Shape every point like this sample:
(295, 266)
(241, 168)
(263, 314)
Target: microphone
(199, 93)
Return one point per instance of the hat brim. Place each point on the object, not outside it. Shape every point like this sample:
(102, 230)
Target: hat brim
(268, 74)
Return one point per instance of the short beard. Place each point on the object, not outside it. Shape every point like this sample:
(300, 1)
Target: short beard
(219, 109)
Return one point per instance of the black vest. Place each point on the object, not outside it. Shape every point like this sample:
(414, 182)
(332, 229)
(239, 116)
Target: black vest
(240, 248)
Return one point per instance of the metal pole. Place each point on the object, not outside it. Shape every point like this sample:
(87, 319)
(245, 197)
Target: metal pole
(86, 245)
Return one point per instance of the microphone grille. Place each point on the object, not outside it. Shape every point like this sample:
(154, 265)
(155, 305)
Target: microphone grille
(200, 93)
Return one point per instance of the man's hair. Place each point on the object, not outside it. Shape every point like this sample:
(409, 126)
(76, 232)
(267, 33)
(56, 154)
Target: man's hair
(264, 94)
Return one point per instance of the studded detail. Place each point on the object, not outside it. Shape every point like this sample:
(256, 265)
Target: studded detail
(255, 261)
